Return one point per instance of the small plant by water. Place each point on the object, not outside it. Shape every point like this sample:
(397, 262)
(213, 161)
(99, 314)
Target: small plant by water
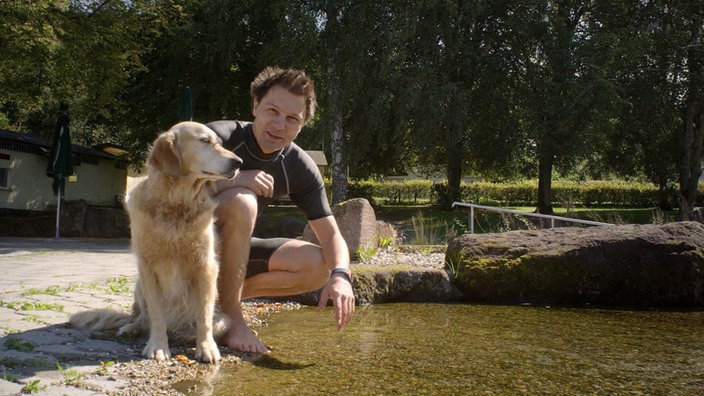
(453, 267)
(71, 376)
(32, 387)
(365, 254)
(385, 242)
(103, 368)
(428, 231)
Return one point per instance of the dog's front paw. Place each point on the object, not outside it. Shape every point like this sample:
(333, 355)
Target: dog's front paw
(207, 351)
(156, 351)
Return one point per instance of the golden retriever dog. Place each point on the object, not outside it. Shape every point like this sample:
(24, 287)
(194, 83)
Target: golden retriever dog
(171, 220)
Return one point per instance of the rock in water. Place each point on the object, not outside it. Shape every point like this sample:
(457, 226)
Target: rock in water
(626, 265)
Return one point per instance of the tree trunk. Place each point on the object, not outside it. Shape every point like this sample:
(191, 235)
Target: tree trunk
(337, 141)
(545, 163)
(693, 134)
(454, 177)
(454, 147)
(334, 11)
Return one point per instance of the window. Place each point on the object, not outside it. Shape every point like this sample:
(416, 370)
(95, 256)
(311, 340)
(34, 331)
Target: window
(4, 178)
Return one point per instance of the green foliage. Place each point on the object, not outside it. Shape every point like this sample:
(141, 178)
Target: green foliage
(565, 193)
(601, 193)
(18, 345)
(33, 387)
(104, 366)
(500, 90)
(71, 375)
(32, 306)
(120, 285)
(385, 242)
(50, 291)
(365, 254)
(391, 192)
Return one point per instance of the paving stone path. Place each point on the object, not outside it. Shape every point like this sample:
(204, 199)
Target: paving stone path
(42, 282)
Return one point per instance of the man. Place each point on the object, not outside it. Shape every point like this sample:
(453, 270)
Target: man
(283, 100)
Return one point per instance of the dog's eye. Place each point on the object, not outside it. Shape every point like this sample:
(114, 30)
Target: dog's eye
(206, 141)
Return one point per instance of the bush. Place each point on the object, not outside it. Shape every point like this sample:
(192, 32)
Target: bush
(523, 193)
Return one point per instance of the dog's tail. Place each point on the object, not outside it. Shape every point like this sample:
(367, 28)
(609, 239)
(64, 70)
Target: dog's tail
(99, 319)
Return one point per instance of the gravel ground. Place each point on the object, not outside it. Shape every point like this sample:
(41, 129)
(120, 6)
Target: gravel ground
(428, 257)
(180, 374)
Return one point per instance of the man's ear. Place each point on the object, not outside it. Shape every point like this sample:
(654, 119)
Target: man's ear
(255, 104)
(165, 155)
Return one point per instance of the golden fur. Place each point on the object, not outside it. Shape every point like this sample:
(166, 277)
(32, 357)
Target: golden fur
(171, 215)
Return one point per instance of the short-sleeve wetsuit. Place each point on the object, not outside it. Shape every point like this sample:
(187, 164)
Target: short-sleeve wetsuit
(295, 174)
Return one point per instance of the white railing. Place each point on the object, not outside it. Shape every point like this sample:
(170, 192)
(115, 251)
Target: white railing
(503, 210)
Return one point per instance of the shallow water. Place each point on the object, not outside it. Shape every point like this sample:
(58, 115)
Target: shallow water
(440, 349)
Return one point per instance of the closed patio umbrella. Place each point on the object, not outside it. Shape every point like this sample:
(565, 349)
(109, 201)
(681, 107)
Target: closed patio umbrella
(60, 164)
(185, 105)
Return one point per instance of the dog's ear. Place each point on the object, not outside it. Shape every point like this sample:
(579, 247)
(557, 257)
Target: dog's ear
(165, 156)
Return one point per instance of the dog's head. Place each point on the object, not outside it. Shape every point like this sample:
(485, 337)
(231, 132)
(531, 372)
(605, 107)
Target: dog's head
(193, 149)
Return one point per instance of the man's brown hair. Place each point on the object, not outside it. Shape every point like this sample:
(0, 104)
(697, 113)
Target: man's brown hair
(293, 80)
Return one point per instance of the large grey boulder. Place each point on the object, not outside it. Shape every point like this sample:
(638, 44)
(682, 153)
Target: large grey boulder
(628, 265)
(357, 222)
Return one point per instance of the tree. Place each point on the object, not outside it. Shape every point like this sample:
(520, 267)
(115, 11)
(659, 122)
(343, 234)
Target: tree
(347, 47)
(214, 47)
(80, 53)
(459, 78)
(565, 91)
(640, 141)
(27, 47)
(659, 134)
(690, 165)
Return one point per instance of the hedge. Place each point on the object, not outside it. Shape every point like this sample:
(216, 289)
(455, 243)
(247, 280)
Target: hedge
(524, 193)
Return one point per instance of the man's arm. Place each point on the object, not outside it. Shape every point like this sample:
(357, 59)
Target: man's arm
(257, 181)
(336, 255)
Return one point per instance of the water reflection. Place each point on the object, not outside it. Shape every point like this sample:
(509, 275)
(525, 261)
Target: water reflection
(474, 349)
(272, 363)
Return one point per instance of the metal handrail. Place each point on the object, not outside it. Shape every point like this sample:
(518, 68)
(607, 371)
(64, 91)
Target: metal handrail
(551, 217)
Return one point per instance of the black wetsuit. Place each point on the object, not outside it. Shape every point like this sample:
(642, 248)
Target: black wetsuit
(295, 174)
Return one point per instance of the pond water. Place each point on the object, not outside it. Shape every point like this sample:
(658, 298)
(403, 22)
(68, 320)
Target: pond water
(448, 349)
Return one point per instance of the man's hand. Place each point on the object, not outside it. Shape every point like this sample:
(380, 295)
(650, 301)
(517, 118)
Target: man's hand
(339, 290)
(257, 181)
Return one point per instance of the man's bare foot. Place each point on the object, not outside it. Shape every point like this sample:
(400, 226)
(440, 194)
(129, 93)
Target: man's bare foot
(242, 338)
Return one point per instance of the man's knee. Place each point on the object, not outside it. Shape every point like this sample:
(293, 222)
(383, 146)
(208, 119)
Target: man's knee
(317, 272)
(236, 208)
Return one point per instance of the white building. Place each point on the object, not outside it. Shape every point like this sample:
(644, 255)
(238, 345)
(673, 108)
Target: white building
(99, 178)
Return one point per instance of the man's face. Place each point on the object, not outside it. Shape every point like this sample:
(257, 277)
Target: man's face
(278, 118)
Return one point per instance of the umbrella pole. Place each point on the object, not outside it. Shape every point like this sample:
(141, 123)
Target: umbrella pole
(58, 212)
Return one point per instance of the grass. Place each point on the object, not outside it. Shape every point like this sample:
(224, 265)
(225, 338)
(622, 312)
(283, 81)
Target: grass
(50, 291)
(104, 366)
(18, 345)
(365, 254)
(120, 285)
(33, 387)
(71, 376)
(32, 306)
